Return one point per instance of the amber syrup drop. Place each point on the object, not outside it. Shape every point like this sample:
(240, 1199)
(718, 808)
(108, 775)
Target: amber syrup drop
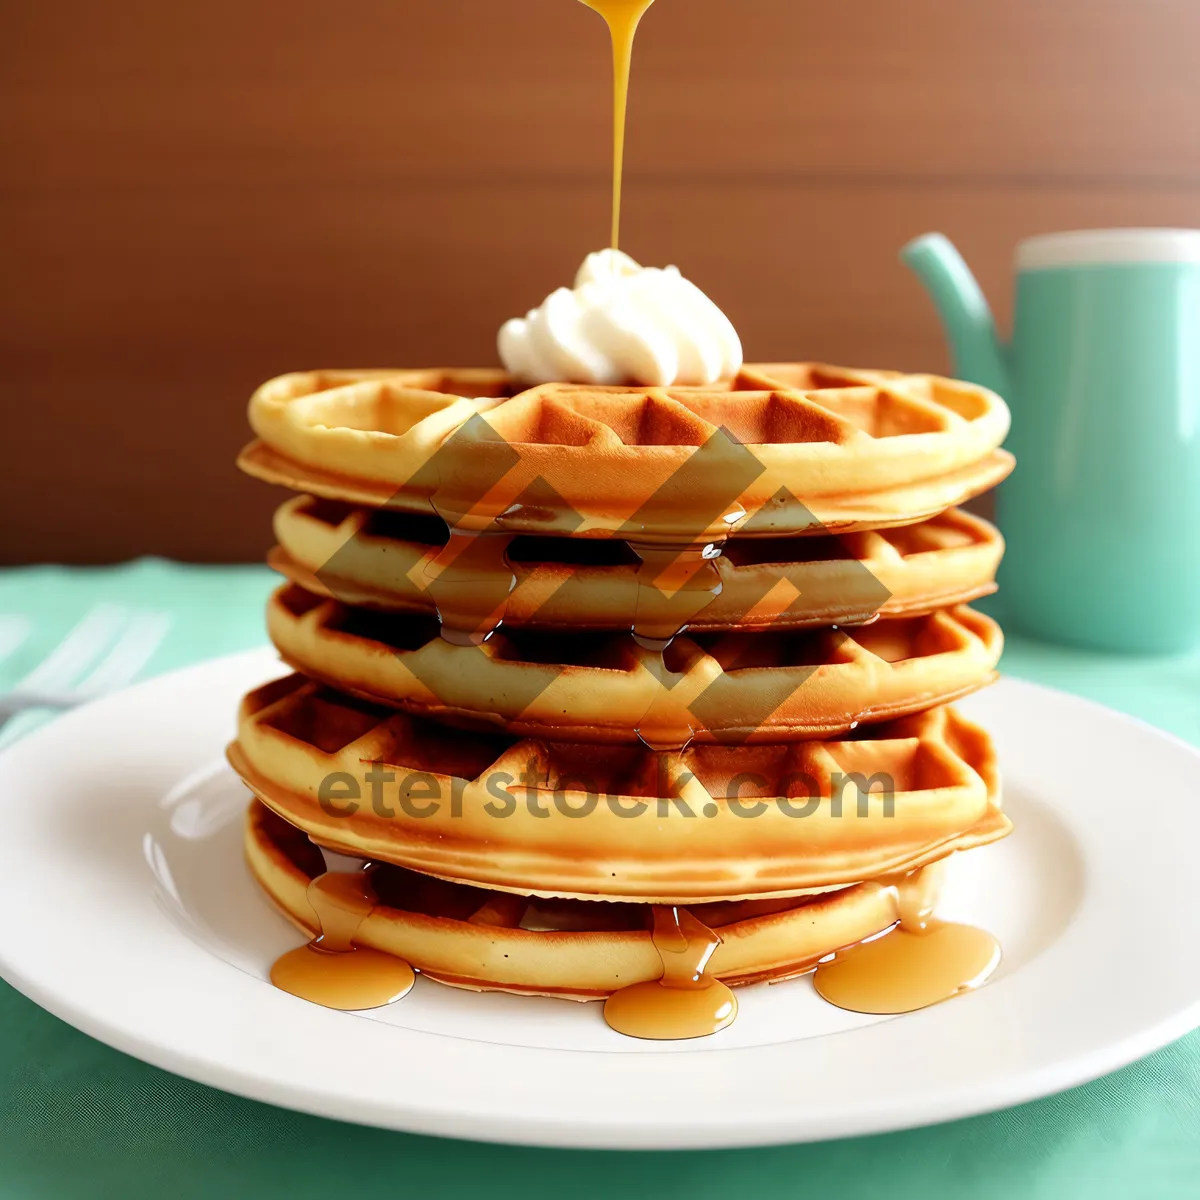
(686, 1002)
(333, 970)
(920, 961)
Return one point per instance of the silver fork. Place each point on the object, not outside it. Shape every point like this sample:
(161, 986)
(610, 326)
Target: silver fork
(105, 650)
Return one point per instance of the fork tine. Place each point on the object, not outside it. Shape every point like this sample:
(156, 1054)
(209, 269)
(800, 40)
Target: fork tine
(129, 654)
(13, 631)
(78, 650)
(13, 727)
(137, 635)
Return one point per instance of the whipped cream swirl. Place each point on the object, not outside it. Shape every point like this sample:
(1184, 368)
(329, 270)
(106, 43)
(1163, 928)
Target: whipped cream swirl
(622, 323)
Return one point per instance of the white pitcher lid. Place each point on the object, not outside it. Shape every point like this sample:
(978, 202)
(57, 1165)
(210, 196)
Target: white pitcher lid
(1094, 247)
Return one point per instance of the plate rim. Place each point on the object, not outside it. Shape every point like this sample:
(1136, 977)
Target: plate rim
(553, 1127)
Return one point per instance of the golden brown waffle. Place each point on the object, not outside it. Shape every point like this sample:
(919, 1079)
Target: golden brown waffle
(581, 950)
(606, 687)
(387, 559)
(558, 819)
(783, 448)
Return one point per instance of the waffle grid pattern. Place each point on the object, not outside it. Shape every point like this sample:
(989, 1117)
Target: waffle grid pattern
(568, 819)
(583, 459)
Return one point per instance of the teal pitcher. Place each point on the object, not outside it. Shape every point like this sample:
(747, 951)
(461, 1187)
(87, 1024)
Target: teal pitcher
(1102, 513)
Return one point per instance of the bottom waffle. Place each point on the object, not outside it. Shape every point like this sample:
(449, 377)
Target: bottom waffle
(474, 938)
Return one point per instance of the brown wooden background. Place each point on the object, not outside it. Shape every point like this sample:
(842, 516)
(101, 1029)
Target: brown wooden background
(198, 194)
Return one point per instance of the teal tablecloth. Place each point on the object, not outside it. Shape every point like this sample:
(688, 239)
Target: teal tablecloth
(79, 1119)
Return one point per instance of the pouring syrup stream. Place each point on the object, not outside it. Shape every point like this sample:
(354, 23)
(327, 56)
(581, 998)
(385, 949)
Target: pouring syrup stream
(622, 17)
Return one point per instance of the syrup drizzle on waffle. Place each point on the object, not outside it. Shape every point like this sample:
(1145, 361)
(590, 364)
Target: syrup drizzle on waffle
(918, 962)
(471, 581)
(686, 1002)
(331, 970)
(674, 585)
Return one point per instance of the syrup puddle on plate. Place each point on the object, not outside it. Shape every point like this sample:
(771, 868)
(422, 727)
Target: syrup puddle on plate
(686, 1002)
(332, 970)
(920, 961)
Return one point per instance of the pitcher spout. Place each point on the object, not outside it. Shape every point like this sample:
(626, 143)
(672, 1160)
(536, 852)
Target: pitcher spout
(977, 352)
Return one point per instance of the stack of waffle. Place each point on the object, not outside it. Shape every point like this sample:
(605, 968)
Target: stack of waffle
(569, 656)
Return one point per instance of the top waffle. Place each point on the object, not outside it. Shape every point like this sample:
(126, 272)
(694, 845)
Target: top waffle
(783, 448)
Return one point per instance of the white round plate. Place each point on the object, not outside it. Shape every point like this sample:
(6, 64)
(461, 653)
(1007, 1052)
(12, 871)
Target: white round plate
(129, 913)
